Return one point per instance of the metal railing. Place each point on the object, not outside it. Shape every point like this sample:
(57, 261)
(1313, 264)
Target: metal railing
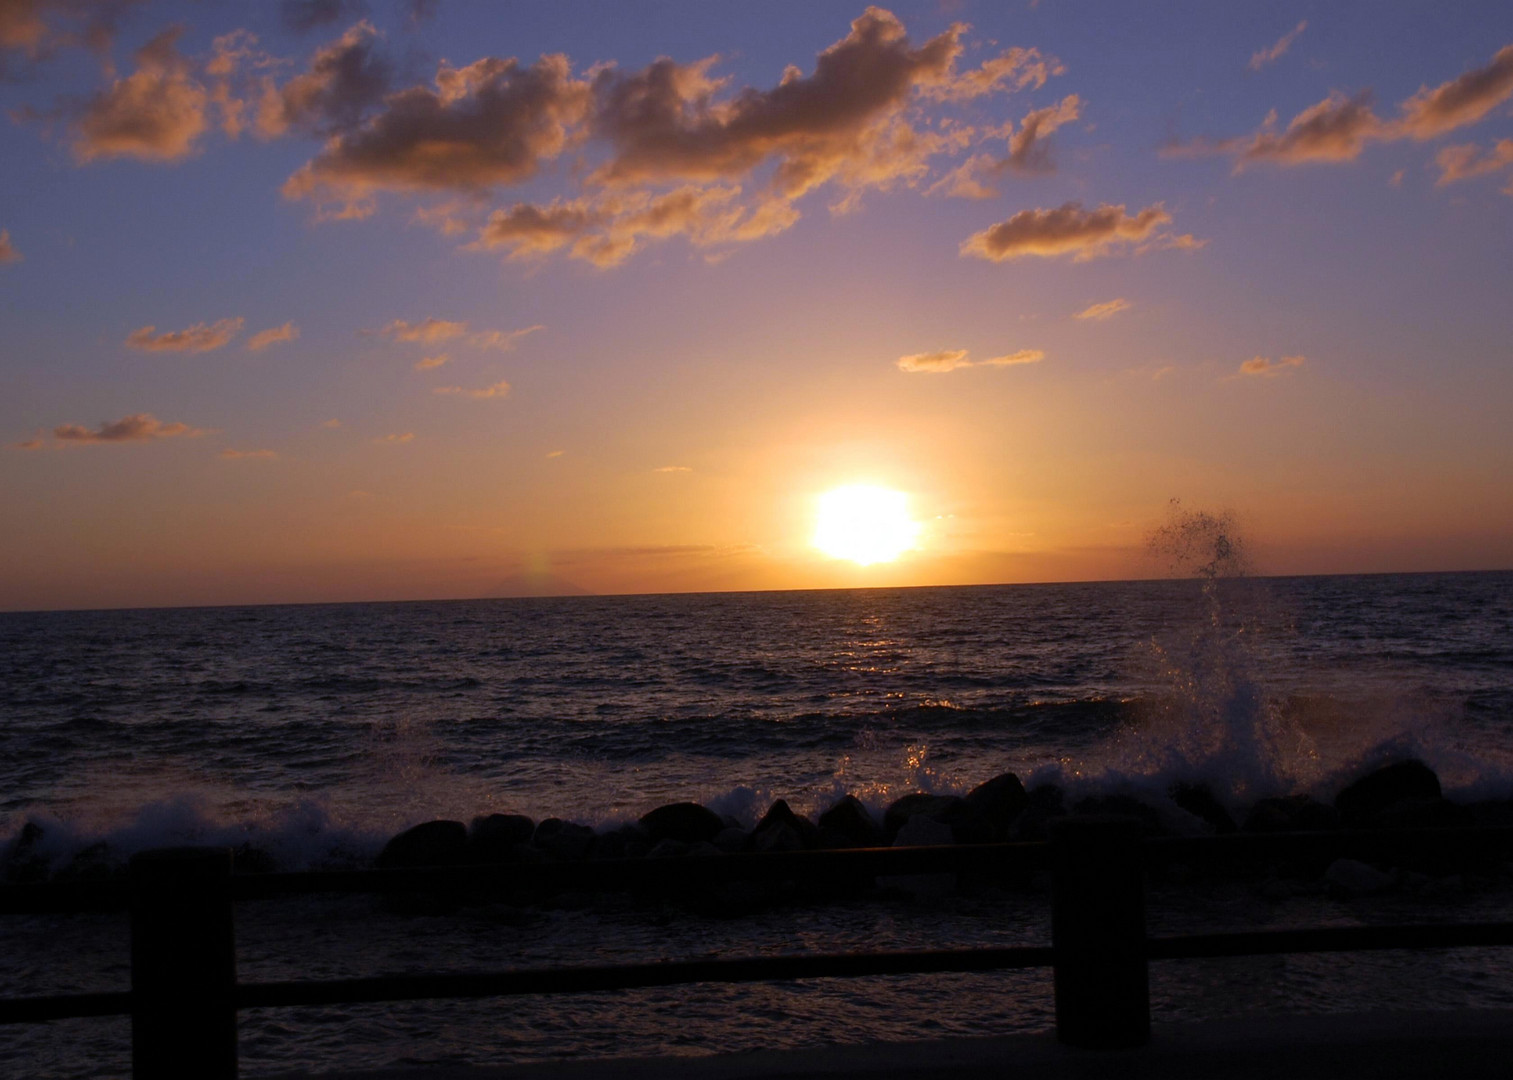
(185, 995)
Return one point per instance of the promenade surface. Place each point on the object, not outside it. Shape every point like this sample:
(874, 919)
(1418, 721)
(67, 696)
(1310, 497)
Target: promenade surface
(1382, 1046)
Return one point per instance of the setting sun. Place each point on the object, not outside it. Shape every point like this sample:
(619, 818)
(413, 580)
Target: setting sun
(865, 524)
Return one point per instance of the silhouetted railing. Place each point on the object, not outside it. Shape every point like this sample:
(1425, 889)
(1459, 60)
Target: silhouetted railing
(185, 994)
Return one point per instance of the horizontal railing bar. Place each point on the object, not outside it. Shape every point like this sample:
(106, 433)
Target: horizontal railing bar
(63, 897)
(1385, 842)
(36, 1010)
(1330, 939)
(837, 863)
(580, 980)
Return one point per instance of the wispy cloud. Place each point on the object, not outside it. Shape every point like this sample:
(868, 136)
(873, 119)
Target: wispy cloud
(239, 454)
(138, 427)
(1066, 230)
(1271, 55)
(497, 390)
(399, 437)
(272, 336)
(1106, 310)
(938, 363)
(201, 337)
(28, 444)
(1265, 367)
(429, 362)
(673, 469)
(8, 252)
(433, 331)
(1468, 161)
(331, 423)
(555, 453)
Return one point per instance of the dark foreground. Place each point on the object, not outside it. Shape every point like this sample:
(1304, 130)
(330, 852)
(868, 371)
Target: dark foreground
(1384, 1046)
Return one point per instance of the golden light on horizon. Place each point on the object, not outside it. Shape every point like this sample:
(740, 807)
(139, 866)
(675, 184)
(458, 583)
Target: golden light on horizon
(865, 524)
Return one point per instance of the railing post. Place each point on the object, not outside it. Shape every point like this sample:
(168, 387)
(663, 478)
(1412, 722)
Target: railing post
(183, 965)
(1098, 932)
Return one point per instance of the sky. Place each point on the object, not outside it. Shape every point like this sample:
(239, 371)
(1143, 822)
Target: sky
(332, 300)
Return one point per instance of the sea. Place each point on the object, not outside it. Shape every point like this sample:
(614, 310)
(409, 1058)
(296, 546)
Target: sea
(314, 733)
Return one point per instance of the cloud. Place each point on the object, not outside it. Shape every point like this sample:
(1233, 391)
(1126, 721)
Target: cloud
(332, 423)
(155, 114)
(344, 80)
(239, 454)
(502, 339)
(1264, 367)
(1028, 151)
(272, 336)
(396, 439)
(938, 363)
(498, 390)
(1106, 310)
(1065, 230)
(1012, 69)
(664, 122)
(428, 331)
(201, 337)
(488, 124)
(303, 15)
(28, 444)
(1339, 128)
(1459, 102)
(555, 453)
(430, 362)
(1013, 359)
(1465, 162)
(8, 252)
(138, 427)
(673, 469)
(1271, 55)
(36, 29)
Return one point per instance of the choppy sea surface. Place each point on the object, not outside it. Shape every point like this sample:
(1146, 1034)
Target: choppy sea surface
(315, 732)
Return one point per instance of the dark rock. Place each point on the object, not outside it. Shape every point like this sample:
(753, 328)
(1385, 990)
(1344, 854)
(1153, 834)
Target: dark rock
(434, 843)
(849, 822)
(1378, 791)
(1347, 878)
(1290, 813)
(1043, 805)
(1201, 803)
(938, 808)
(669, 849)
(685, 821)
(563, 839)
(24, 862)
(251, 860)
(1121, 806)
(497, 838)
(990, 809)
(1421, 814)
(626, 842)
(731, 840)
(782, 830)
(94, 863)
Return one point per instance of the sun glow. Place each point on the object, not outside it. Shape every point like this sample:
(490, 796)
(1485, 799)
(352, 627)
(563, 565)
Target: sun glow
(865, 524)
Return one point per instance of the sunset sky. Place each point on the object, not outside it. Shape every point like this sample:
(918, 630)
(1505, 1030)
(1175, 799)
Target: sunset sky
(356, 300)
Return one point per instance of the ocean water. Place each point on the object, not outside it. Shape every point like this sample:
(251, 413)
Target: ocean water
(316, 732)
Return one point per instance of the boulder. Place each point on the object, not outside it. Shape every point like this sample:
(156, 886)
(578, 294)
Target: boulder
(626, 842)
(1043, 805)
(563, 839)
(731, 840)
(919, 831)
(782, 830)
(96, 863)
(1421, 814)
(1377, 791)
(938, 808)
(1290, 813)
(433, 843)
(1201, 803)
(1121, 806)
(685, 821)
(848, 824)
(496, 838)
(990, 809)
(1348, 878)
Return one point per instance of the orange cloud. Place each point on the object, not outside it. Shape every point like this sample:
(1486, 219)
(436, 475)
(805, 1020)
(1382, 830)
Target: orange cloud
(428, 330)
(1065, 230)
(674, 469)
(28, 444)
(1263, 366)
(138, 427)
(502, 339)
(1461, 101)
(498, 390)
(343, 81)
(1012, 69)
(1468, 161)
(1028, 151)
(1271, 55)
(491, 123)
(938, 363)
(38, 28)
(201, 337)
(397, 438)
(272, 336)
(430, 362)
(154, 114)
(1106, 310)
(8, 252)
